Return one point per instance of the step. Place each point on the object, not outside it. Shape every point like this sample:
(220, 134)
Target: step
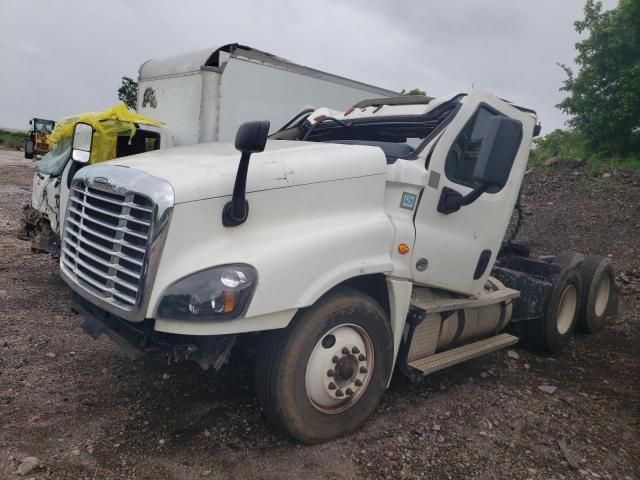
(436, 362)
(447, 304)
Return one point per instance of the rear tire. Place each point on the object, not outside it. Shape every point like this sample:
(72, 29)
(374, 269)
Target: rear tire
(598, 279)
(343, 343)
(568, 258)
(553, 331)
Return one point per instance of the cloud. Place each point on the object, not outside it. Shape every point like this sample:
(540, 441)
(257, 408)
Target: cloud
(57, 59)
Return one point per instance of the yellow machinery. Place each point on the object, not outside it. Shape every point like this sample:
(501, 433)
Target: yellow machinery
(37, 143)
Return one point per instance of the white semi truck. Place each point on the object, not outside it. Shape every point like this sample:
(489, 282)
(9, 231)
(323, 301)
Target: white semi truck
(200, 96)
(345, 245)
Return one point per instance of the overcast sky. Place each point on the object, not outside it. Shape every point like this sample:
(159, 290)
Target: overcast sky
(60, 58)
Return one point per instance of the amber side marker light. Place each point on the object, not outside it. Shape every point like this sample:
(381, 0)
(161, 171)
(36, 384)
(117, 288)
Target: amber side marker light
(229, 302)
(403, 249)
(349, 110)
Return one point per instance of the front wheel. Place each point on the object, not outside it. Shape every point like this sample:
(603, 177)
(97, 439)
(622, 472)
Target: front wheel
(29, 151)
(323, 376)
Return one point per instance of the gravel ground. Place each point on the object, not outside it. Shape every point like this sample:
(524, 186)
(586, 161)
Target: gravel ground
(84, 410)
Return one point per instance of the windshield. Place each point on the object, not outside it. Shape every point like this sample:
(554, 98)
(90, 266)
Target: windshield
(53, 162)
(43, 126)
(398, 136)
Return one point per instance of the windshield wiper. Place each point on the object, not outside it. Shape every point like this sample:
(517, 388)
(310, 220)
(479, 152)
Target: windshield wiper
(322, 120)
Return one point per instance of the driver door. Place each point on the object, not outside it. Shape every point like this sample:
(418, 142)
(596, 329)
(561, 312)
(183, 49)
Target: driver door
(456, 251)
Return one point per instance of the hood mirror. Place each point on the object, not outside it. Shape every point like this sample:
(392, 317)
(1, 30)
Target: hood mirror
(251, 138)
(82, 142)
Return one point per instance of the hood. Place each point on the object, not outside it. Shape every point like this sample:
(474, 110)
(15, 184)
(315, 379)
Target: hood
(208, 170)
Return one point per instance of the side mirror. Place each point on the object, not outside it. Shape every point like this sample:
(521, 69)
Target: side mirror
(498, 152)
(251, 138)
(493, 165)
(82, 142)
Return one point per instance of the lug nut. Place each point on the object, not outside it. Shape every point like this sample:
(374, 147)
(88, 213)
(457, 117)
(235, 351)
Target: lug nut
(332, 386)
(331, 373)
(335, 359)
(355, 350)
(361, 357)
(339, 393)
(363, 370)
(358, 382)
(345, 351)
(348, 391)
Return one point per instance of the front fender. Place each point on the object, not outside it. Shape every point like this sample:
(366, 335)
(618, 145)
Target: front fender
(302, 240)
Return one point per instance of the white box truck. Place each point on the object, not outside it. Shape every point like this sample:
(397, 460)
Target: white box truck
(344, 246)
(204, 96)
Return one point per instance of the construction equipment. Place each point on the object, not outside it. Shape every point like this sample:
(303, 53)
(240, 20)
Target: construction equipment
(36, 142)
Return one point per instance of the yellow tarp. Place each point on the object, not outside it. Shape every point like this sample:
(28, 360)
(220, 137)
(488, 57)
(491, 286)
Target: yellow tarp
(108, 125)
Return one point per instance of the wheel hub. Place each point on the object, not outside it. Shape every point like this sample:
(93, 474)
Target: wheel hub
(339, 368)
(567, 309)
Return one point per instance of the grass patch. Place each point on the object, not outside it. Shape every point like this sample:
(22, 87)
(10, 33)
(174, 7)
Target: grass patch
(12, 140)
(568, 144)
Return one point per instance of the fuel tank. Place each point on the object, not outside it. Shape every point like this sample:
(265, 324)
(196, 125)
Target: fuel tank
(462, 326)
(443, 330)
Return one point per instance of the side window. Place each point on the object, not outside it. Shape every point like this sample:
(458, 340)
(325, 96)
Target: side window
(142, 141)
(462, 157)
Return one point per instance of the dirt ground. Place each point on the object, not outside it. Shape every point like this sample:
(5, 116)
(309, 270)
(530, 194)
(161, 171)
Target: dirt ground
(86, 411)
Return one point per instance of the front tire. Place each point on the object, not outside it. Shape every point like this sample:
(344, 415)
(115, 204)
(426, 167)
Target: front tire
(29, 150)
(324, 375)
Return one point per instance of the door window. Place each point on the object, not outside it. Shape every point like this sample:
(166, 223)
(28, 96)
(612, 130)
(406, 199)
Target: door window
(463, 155)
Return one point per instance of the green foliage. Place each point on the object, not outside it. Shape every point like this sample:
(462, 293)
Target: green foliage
(128, 92)
(559, 143)
(413, 91)
(12, 139)
(604, 95)
(568, 144)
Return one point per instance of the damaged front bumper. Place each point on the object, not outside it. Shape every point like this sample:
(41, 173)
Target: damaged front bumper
(138, 339)
(35, 226)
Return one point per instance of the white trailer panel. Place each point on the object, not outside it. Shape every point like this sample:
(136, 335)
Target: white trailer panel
(204, 96)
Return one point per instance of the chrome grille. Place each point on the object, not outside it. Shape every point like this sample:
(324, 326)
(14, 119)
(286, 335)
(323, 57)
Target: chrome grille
(105, 242)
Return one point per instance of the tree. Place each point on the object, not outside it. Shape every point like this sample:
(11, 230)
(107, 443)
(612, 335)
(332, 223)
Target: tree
(128, 92)
(413, 91)
(604, 95)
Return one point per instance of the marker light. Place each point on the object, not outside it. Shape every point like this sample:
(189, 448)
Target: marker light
(403, 249)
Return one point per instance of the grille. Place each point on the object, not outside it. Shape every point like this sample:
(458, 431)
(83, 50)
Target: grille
(105, 243)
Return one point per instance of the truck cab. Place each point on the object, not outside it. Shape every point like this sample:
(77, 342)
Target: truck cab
(339, 248)
(50, 188)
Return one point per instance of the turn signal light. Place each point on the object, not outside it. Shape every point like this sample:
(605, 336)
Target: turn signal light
(229, 302)
(403, 249)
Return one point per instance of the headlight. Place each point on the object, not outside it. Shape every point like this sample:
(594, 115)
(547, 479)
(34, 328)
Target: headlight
(218, 293)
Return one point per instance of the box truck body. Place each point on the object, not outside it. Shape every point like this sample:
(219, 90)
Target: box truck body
(206, 95)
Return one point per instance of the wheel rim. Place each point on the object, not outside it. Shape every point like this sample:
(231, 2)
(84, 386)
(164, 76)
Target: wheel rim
(339, 369)
(602, 295)
(567, 308)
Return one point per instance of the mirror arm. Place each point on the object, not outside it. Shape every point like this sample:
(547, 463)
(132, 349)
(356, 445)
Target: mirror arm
(236, 211)
(451, 200)
(473, 195)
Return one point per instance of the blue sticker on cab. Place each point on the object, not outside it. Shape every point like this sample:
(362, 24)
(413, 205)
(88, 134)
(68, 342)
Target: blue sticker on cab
(408, 201)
